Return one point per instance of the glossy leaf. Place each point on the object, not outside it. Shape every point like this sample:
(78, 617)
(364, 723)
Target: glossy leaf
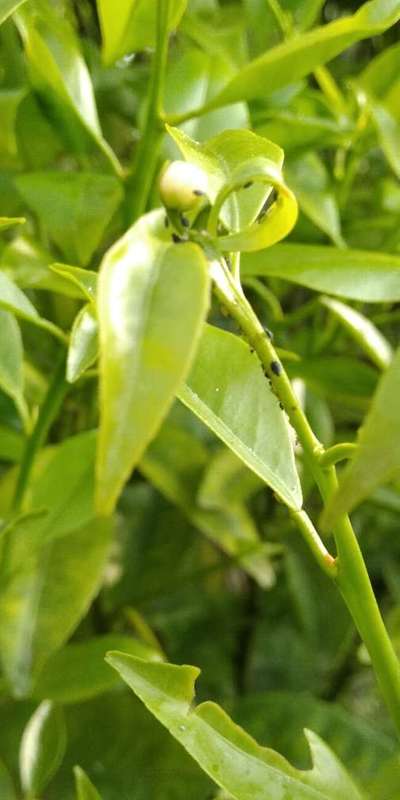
(77, 672)
(150, 292)
(42, 748)
(228, 391)
(91, 201)
(84, 343)
(376, 460)
(134, 27)
(300, 55)
(363, 331)
(84, 787)
(229, 755)
(11, 357)
(58, 66)
(8, 7)
(353, 274)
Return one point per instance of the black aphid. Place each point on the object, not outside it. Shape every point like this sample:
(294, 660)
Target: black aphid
(177, 239)
(247, 185)
(198, 192)
(184, 220)
(276, 367)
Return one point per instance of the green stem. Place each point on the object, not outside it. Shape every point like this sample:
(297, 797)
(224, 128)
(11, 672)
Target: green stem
(48, 412)
(338, 452)
(140, 183)
(315, 543)
(350, 572)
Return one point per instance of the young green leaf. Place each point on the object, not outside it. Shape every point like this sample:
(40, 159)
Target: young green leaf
(77, 672)
(84, 786)
(153, 298)
(91, 201)
(84, 279)
(228, 391)
(84, 344)
(220, 158)
(363, 331)
(353, 274)
(58, 66)
(11, 358)
(42, 748)
(301, 54)
(134, 27)
(225, 752)
(377, 458)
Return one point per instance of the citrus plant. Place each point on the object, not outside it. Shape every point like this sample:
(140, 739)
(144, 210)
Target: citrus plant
(199, 382)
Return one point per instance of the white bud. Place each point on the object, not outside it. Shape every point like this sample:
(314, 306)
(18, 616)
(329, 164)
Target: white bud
(181, 185)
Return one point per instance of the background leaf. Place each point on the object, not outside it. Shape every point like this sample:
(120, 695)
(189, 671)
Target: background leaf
(377, 457)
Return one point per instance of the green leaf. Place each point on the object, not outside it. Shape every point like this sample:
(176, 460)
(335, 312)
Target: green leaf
(7, 791)
(12, 299)
(91, 201)
(11, 358)
(8, 222)
(388, 129)
(153, 297)
(64, 485)
(301, 54)
(220, 158)
(363, 331)
(224, 751)
(26, 263)
(134, 26)
(308, 179)
(10, 100)
(44, 591)
(353, 274)
(347, 380)
(54, 56)
(11, 444)
(42, 748)
(228, 391)
(84, 279)
(84, 345)
(377, 459)
(174, 463)
(8, 7)
(77, 672)
(84, 787)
